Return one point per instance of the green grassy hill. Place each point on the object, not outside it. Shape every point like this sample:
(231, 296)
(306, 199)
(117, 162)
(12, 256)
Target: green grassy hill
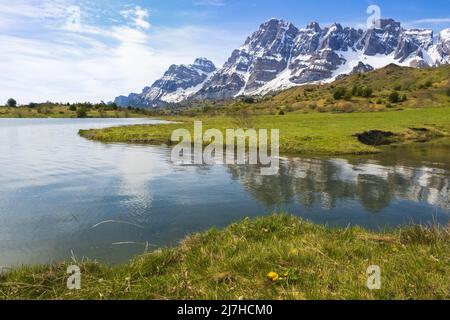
(390, 87)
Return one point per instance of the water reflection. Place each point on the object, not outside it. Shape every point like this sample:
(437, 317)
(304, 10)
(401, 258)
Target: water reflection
(324, 182)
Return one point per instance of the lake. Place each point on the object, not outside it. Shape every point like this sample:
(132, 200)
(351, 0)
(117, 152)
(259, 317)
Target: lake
(63, 196)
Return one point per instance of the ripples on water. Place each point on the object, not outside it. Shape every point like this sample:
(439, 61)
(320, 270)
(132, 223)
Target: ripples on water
(61, 193)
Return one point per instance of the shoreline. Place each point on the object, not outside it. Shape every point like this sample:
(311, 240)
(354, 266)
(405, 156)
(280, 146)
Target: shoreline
(321, 134)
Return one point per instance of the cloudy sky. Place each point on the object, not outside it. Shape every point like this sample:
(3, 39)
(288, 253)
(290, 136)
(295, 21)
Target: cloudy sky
(93, 50)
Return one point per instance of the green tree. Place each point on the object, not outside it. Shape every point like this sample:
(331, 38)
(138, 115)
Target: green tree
(11, 103)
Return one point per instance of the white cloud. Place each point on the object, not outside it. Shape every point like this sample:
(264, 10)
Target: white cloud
(139, 16)
(44, 59)
(216, 3)
(432, 21)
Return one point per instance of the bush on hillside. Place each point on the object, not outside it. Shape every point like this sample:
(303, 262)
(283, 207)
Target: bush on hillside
(394, 97)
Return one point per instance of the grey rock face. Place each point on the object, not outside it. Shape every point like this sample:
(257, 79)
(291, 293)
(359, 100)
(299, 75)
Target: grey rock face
(308, 40)
(412, 42)
(321, 67)
(340, 39)
(383, 40)
(362, 68)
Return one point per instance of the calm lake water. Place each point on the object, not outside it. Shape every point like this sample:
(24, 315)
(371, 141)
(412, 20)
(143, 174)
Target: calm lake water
(61, 194)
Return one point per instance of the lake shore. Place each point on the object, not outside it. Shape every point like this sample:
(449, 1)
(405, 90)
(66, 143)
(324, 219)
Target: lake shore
(62, 112)
(312, 133)
(276, 257)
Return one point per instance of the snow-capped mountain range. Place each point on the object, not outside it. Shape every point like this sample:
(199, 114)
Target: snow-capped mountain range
(178, 83)
(279, 56)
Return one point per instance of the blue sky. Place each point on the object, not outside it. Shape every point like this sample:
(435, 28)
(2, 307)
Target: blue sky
(86, 50)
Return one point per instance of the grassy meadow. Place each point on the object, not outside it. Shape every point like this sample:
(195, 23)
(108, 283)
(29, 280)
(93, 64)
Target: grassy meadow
(312, 133)
(276, 257)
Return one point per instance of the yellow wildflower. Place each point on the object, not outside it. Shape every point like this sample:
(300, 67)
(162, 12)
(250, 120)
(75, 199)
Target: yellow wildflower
(273, 276)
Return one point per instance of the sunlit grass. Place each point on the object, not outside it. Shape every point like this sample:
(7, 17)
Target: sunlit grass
(316, 133)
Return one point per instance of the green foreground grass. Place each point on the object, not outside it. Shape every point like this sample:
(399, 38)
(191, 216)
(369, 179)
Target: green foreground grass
(314, 133)
(308, 261)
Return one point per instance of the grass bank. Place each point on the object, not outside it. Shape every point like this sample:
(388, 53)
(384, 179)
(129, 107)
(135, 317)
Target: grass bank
(58, 111)
(307, 261)
(313, 133)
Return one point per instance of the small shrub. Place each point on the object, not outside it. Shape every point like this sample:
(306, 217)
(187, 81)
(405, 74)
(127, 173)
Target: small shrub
(339, 93)
(313, 105)
(348, 96)
(394, 97)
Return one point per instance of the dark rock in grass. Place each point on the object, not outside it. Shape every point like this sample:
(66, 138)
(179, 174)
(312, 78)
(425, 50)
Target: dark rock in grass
(376, 138)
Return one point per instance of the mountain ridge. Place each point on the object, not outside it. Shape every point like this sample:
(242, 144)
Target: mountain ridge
(279, 56)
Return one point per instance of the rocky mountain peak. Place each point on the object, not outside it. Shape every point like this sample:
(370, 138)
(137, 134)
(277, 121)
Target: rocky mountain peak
(204, 64)
(389, 25)
(382, 40)
(340, 39)
(314, 26)
(271, 33)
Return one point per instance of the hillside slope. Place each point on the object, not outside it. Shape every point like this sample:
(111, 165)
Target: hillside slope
(389, 87)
